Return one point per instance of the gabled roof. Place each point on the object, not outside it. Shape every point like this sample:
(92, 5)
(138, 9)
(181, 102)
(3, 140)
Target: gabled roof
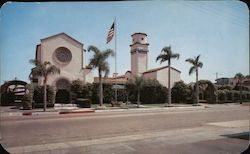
(56, 35)
(160, 68)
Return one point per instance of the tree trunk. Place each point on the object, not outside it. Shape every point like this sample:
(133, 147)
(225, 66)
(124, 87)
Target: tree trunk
(138, 98)
(240, 91)
(100, 90)
(169, 88)
(197, 87)
(44, 94)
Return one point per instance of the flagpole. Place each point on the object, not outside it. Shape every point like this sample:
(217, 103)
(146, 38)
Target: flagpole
(115, 64)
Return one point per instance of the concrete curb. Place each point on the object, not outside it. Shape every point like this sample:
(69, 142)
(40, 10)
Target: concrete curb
(77, 111)
(154, 109)
(92, 110)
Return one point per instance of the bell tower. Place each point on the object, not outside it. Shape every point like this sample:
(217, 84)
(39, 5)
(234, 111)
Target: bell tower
(139, 53)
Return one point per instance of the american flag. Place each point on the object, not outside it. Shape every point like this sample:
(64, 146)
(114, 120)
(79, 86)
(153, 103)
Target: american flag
(111, 33)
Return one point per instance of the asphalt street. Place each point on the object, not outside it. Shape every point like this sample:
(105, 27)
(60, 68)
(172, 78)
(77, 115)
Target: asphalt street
(217, 129)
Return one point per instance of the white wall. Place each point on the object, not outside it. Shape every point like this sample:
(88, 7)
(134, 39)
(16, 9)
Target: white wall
(134, 63)
(88, 76)
(138, 38)
(73, 70)
(151, 75)
(162, 77)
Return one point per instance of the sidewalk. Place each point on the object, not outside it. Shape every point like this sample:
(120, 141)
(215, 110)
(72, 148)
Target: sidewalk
(152, 108)
(64, 109)
(73, 109)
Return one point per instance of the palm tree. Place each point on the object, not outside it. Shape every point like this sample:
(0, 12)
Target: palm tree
(196, 64)
(99, 61)
(43, 70)
(240, 78)
(138, 81)
(167, 55)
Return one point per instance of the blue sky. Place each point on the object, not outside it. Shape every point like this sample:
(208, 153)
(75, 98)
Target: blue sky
(217, 30)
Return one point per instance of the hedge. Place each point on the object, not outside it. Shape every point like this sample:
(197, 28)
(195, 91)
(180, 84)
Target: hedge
(38, 96)
(152, 92)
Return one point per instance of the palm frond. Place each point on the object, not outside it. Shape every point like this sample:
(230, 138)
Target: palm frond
(108, 52)
(104, 67)
(53, 70)
(175, 55)
(94, 49)
(197, 59)
(167, 55)
(35, 62)
(200, 64)
(191, 70)
(167, 50)
(37, 71)
(162, 58)
(191, 61)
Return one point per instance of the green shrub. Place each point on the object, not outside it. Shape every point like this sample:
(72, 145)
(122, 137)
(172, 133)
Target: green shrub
(229, 95)
(152, 92)
(248, 96)
(38, 96)
(221, 95)
(131, 91)
(236, 95)
(80, 89)
(27, 101)
(84, 103)
(245, 95)
(223, 87)
(7, 98)
(180, 92)
(108, 93)
(121, 95)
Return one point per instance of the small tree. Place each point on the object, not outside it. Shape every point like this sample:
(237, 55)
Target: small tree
(99, 61)
(43, 70)
(135, 85)
(195, 65)
(240, 78)
(167, 55)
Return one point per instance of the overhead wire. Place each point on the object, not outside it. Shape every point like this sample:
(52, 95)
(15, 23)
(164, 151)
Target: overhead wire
(214, 12)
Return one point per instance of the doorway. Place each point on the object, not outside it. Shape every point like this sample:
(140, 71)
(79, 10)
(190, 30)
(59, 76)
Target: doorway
(62, 96)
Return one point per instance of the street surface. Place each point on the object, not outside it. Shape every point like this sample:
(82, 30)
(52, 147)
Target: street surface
(218, 129)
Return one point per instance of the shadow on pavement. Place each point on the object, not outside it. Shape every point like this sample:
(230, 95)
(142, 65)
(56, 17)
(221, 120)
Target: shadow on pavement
(243, 135)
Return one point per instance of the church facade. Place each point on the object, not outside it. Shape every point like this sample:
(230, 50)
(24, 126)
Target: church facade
(67, 54)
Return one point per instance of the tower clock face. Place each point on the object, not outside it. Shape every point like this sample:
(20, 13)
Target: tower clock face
(62, 55)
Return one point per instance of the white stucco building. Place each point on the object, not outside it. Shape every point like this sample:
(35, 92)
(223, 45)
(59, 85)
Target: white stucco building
(139, 64)
(67, 54)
